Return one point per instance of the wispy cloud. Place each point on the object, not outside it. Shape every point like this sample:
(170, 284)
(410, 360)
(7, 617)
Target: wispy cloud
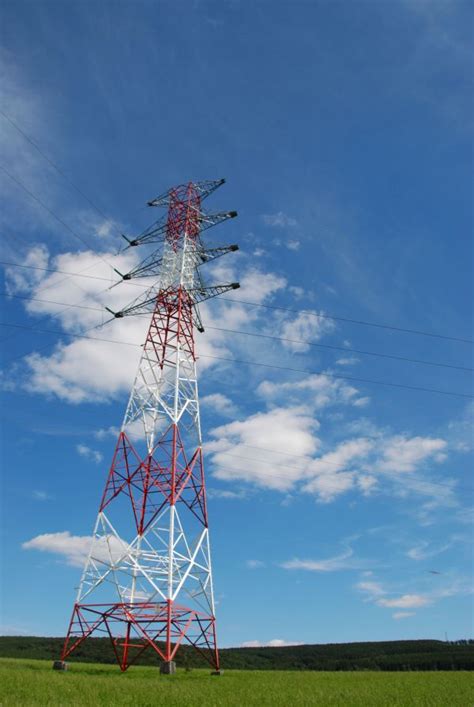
(226, 493)
(347, 361)
(425, 550)
(406, 601)
(371, 588)
(279, 220)
(88, 453)
(41, 496)
(384, 596)
(343, 561)
(402, 615)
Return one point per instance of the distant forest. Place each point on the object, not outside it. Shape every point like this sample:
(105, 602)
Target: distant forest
(383, 655)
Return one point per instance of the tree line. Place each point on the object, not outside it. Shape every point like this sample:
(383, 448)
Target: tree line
(381, 655)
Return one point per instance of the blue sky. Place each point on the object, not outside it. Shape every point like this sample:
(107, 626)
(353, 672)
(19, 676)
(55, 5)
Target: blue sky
(344, 130)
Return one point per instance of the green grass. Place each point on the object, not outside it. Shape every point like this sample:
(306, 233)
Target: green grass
(33, 682)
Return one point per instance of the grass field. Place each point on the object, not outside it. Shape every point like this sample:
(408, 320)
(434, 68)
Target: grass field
(33, 682)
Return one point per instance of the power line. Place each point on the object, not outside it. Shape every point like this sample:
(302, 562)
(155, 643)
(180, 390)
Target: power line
(250, 363)
(317, 315)
(336, 375)
(350, 321)
(58, 170)
(340, 348)
(66, 272)
(66, 306)
(63, 223)
(321, 461)
(265, 336)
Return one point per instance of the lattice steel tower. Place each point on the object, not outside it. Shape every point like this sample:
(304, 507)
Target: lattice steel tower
(147, 582)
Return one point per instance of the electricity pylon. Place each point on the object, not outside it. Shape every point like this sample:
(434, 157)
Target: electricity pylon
(147, 582)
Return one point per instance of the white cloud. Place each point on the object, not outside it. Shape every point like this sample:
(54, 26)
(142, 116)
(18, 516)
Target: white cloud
(296, 291)
(363, 464)
(75, 548)
(63, 373)
(262, 285)
(234, 444)
(279, 220)
(274, 643)
(327, 485)
(293, 245)
(402, 454)
(332, 474)
(317, 391)
(19, 281)
(103, 433)
(347, 361)
(361, 402)
(343, 561)
(406, 601)
(219, 403)
(402, 615)
(223, 314)
(88, 453)
(305, 327)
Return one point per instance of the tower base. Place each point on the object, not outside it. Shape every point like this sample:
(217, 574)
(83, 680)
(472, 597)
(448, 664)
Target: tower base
(60, 665)
(168, 667)
(139, 626)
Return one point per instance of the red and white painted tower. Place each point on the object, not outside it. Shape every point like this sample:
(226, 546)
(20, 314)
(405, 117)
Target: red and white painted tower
(147, 583)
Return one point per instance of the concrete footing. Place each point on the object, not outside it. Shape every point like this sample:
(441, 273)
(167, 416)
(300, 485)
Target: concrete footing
(168, 667)
(59, 665)
(217, 672)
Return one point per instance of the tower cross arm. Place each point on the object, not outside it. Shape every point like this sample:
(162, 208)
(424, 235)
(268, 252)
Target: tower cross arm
(146, 303)
(143, 304)
(208, 254)
(157, 232)
(151, 265)
(148, 267)
(203, 188)
(200, 294)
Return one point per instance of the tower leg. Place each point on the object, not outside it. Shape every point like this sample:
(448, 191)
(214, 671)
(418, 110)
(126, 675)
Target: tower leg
(167, 667)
